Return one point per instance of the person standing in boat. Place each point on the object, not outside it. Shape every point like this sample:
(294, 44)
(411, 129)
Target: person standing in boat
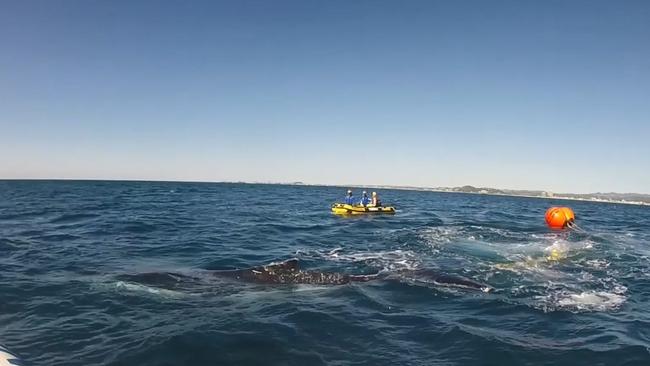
(349, 199)
(375, 200)
(365, 200)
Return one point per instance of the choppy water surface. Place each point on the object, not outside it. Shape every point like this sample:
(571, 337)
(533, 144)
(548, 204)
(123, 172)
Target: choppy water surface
(63, 246)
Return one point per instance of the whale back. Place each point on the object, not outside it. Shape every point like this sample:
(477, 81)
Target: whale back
(291, 265)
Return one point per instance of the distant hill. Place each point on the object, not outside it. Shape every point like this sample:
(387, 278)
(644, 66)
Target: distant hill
(630, 198)
(626, 198)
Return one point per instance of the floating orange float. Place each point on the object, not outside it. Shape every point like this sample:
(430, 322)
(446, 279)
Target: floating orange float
(559, 217)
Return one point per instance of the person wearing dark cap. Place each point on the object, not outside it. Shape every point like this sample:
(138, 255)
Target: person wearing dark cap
(349, 199)
(365, 200)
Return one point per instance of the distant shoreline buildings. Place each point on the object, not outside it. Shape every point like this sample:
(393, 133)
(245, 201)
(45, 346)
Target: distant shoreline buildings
(622, 198)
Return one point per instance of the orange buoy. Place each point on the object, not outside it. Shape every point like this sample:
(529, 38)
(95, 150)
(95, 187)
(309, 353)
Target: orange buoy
(559, 217)
(551, 210)
(570, 216)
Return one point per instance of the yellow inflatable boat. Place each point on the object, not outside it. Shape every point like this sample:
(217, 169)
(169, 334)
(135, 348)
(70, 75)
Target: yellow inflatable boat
(343, 209)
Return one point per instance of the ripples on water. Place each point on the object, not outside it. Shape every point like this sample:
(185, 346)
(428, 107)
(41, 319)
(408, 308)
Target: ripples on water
(63, 244)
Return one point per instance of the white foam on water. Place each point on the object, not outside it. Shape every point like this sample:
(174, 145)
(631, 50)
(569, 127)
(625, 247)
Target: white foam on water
(546, 274)
(388, 260)
(597, 263)
(250, 294)
(335, 250)
(536, 269)
(591, 301)
(541, 253)
(505, 233)
(139, 288)
(480, 241)
(576, 299)
(440, 235)
(557, 251)
(552, 274)
(570, 246)
(383, 260)
(466, 244)
(543, 236)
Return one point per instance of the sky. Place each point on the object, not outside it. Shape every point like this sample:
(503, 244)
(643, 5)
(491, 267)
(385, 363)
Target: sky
(550, 95)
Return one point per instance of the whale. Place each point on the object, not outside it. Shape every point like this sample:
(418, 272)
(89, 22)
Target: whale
(289, 273)
(441, 279)
(285, 272)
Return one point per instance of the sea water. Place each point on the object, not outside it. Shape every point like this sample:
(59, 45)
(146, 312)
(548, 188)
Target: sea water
(65, 244)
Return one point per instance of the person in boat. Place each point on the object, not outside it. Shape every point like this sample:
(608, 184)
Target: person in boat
(365, 200)
(349, 199)
(376, 202)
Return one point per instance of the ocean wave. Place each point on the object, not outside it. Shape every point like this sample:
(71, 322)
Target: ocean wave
(73, 218)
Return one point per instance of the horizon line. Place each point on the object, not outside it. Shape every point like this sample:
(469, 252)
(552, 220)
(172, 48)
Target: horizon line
(403, 187)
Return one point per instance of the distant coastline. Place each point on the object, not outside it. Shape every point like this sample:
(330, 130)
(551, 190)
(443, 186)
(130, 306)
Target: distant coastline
(638, 199)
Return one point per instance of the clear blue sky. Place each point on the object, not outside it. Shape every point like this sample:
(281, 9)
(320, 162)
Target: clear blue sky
(548, 95)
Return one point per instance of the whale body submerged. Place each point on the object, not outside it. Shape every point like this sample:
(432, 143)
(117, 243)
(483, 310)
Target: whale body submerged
(288, 272)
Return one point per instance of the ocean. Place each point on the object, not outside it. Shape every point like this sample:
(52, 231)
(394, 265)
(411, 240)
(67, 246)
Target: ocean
(65, 247)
